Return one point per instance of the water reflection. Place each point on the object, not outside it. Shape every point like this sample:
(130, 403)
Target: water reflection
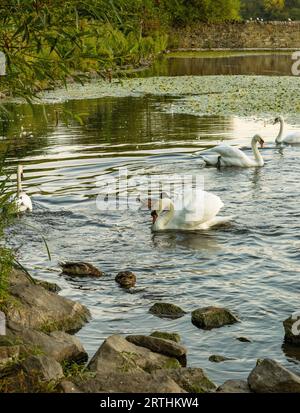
(189, 240)
(268, 64)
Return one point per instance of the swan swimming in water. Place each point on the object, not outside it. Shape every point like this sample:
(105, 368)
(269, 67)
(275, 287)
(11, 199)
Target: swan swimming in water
(22, 201)
(291, 138)
(225, 155)
(195, 210)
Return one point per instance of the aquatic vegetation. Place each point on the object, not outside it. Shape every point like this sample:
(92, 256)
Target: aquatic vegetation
(200, 95)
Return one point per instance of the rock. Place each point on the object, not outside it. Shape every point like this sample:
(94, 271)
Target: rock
(166, 310)
(212, 317)
(66, 386)
(59, 345)
(35, 307)
(161, 346)
(192, 380)
(129, 382)
(46, 368)
(8, 354)
(168, 336)
(80, 269)
(218, 359)
(117, 354)
(292, 329)
(54, 288)
(234, 386)
(126, 279)
(270, 377)
(244, 339)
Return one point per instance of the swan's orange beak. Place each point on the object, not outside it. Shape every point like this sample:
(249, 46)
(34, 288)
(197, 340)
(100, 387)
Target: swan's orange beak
(154, 216)
(262, 142)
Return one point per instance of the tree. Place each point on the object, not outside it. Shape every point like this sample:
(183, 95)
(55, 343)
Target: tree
(273, 6)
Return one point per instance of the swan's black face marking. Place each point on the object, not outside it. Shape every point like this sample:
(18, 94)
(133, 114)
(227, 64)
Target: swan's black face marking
(277, 120)
(262, 142)
(154, 216)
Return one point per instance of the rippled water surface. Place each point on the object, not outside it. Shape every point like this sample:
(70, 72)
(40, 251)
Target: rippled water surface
(250, 266)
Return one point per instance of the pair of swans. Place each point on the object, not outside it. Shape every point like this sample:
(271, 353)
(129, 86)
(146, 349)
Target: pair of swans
(22, 201)
(200, 209)
(225, 155)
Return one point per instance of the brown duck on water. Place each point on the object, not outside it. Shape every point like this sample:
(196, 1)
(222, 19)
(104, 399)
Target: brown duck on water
(80, 269)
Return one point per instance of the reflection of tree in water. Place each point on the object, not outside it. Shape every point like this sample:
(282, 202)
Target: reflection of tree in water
(124, 121)
(233, 65)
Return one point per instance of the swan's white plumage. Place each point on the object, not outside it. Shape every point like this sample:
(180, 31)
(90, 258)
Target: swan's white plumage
(193, 210)
(23, 203)
(226, 155)
(292, 138)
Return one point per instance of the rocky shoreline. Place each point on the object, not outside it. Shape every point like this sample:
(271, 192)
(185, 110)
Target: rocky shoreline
(38, 352)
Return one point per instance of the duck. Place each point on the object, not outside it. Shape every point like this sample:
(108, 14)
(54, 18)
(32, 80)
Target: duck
(290, 139)
(226, 155)
(194, 210)
(80, 269)
(22, 201)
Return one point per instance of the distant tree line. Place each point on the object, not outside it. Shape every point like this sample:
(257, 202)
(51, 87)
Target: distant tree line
(271, 9)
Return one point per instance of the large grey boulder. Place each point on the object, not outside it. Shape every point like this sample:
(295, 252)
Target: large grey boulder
(161, 346)
(118, 354)
(37, 308)
(129, 382)
(192, 380)
(43, 367)
(57, 344)
(270, 377)
(212, 317)
(234, 386)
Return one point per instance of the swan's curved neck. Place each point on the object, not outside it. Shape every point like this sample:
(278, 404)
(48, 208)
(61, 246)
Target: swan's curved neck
(279, 137)
(162, 221)
(257, 155)
(19, 182)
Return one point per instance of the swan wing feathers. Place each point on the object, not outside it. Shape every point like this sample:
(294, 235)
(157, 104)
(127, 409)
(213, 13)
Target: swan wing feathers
(292, 138)
(197, 207)
(23, 203)
(230, 155)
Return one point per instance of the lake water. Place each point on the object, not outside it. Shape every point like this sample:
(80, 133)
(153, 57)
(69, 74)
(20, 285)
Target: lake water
(250, 267)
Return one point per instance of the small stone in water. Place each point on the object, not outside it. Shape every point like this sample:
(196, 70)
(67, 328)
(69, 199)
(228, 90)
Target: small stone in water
(166, 310)
(244, 339)
(126, 279)
(218, 359)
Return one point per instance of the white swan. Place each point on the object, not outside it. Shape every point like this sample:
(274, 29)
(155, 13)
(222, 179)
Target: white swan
(22, 201)
(291, 138)
(225, 155)
(194, 210)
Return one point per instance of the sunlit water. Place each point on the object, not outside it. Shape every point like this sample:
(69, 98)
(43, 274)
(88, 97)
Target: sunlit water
(250, 267)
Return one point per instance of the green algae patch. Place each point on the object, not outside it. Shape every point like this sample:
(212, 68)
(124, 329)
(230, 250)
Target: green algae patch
(198, 95)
